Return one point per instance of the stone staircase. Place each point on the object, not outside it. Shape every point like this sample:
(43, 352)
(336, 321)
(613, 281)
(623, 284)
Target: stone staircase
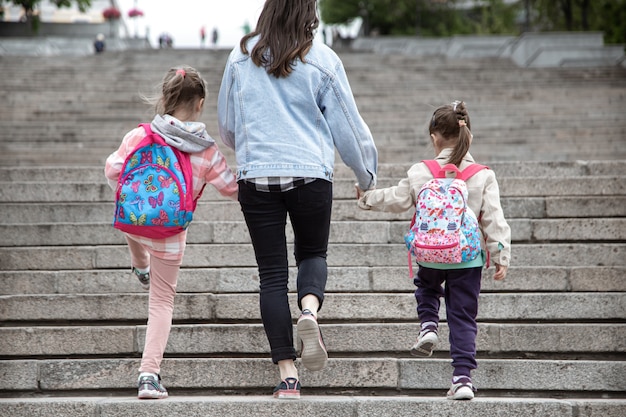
(552, 337)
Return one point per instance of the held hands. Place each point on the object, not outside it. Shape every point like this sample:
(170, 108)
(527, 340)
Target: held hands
(500, 272)
(359, 192)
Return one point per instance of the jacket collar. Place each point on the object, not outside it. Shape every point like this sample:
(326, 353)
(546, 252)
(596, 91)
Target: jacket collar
(445, 155)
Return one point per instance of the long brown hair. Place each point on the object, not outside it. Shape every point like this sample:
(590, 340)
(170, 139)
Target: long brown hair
(452, 122)
(286, 29)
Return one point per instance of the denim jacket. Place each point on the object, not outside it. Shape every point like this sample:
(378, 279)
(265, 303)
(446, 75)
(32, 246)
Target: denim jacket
(290, 126)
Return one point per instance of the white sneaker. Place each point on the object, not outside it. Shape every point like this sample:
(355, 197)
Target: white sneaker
(462, 389)
(426, 342)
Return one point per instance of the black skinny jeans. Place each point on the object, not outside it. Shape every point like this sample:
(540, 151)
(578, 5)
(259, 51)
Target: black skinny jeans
(309, 208)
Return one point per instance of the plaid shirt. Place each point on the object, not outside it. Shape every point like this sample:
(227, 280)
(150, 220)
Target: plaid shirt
(278, 184)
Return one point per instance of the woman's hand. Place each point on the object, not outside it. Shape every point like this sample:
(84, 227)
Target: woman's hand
(359, 192)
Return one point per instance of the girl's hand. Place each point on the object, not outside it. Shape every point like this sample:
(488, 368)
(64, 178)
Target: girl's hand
(500, 272)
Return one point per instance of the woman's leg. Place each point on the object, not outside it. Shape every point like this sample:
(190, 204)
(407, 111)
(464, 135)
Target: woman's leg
(310, 208)
(266, 217)
(461, 295)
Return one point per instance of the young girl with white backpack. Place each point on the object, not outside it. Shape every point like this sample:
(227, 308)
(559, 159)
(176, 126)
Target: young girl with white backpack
(156, 261)
(451, 137)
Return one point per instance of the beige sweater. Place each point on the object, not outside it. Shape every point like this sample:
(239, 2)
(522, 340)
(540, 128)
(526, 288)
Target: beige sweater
(484, 200)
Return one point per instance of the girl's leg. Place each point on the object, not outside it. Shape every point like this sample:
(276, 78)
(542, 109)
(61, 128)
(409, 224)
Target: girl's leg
(139, 255)
(163, 277)
(461, 296)
(266, 217)
(428, 293)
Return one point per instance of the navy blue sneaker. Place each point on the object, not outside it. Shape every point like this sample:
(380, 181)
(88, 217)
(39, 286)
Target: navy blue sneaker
(288, 389)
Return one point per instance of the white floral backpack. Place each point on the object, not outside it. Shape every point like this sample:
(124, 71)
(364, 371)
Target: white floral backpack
(444, 229)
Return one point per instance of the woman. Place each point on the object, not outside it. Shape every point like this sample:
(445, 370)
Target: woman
(284, 105)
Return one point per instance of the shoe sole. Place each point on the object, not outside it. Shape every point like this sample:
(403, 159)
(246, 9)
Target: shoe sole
(151, 395)
(463, 393)
(287, 395)
(313, 355)
(425, 348)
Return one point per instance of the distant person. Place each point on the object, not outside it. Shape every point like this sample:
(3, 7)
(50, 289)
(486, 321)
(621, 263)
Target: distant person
(202, 36)
(156, 262)
(246, 27)
(284, 105)
(165, 40)
(214, 37)
(451, 137)
(99, 44)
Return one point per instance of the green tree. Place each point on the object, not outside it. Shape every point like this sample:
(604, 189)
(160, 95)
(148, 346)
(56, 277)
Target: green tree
(30, 6)
(424, 17)
(607, 16)
(448, 17)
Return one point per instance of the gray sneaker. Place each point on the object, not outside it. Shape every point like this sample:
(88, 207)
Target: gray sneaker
(144, 278)
(312, 347)
(149, 387)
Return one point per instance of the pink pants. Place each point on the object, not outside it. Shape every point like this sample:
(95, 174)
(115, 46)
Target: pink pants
(163, 277)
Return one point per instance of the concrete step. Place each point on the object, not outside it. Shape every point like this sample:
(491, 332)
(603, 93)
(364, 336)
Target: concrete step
(207, 232)
(394, 171)
(515, 209)
(548, 125)
(56, 258)
(354, 307)
(357, 279)
(536, 341)
(550, 377)
(365, 405)
(35, 192)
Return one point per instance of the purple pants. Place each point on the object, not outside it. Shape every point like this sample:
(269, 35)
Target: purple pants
(461, 290)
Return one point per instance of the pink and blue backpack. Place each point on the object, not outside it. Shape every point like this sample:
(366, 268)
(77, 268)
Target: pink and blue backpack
(154, 196)
(444, 229)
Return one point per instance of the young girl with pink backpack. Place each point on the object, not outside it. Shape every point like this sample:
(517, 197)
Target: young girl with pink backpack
(174, 142)
(451, 137)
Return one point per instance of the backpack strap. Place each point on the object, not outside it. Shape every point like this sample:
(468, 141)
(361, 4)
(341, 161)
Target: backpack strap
(470, 171)
(439, 171)
(155, 137)
(434, 167)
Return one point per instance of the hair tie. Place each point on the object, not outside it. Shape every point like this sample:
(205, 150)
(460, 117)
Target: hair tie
(462, 123)
(181, 72)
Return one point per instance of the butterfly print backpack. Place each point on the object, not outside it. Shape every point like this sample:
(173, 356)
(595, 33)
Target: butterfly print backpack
(154, 195)
(444, 229)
